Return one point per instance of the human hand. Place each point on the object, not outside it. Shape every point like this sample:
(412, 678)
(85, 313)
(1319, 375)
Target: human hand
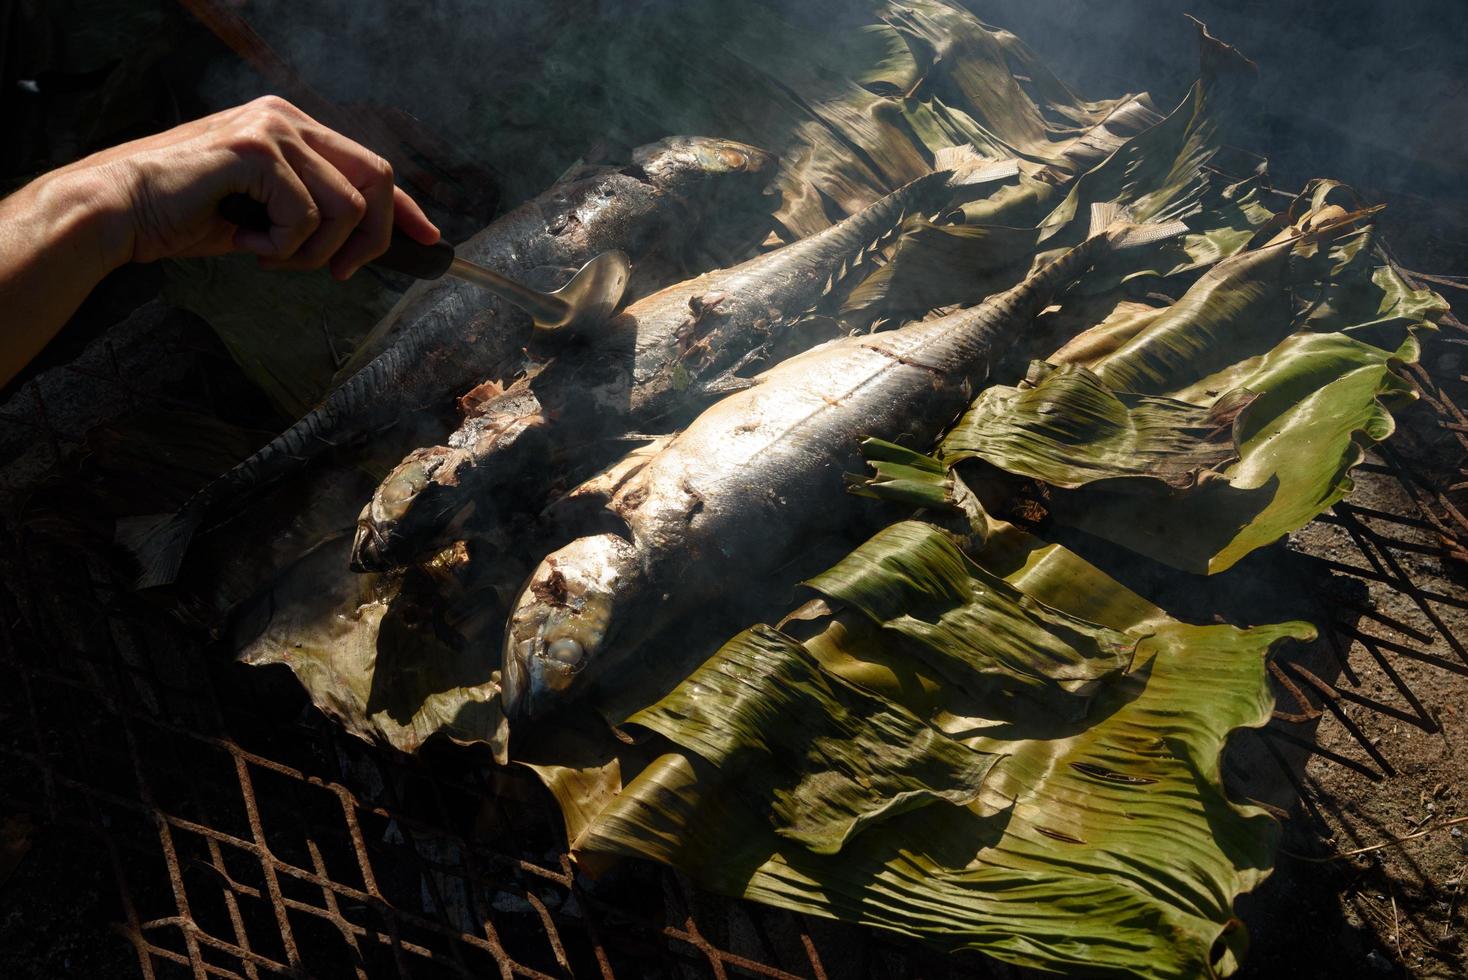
(330, 201)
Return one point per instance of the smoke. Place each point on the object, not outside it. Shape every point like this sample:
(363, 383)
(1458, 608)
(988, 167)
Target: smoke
(1367, 91)
(518, 88)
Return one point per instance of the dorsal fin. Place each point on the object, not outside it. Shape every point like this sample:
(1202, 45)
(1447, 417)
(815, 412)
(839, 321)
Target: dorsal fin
(968, 168)
(1115, 222)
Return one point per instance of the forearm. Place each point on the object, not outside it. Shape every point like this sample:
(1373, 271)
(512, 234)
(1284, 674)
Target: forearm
(328, 201)
(58, 238)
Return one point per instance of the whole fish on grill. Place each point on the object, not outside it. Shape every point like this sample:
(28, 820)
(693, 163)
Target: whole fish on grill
(661, 359)
(759, 476)
(454, 335)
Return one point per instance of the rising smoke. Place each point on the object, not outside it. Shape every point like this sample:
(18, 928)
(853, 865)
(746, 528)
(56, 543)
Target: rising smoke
(1369, 91)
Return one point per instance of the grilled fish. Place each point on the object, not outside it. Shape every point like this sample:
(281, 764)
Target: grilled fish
(664, 357)
(759, 476)
(455, 336)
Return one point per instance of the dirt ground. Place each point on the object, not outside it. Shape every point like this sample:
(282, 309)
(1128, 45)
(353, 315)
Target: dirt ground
(1398, 910)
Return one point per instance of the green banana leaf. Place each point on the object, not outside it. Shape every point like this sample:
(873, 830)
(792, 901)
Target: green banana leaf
(1071, 430)
(902, 475)
(1099, 844)
(827, 760)
(1198, 433)
(1322, 401)
(986, 640)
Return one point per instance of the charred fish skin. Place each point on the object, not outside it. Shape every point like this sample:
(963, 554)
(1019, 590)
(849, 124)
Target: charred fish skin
(754, 479)
(660, 359)
(458, 335)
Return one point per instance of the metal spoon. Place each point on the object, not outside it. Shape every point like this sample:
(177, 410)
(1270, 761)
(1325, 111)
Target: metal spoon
(589, 298)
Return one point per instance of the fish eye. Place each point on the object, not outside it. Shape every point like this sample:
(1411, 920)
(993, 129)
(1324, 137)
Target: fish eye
(565, 651)
(733, 158)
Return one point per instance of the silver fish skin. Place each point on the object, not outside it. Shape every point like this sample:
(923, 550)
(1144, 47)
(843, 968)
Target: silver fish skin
(658, 362)
(752, 482)
(453, 335)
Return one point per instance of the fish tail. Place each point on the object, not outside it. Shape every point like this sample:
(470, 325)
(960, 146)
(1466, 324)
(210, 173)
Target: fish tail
(1115, 223)
(158, 542)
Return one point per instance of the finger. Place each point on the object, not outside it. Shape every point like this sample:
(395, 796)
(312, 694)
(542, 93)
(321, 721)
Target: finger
(293, 213)
(341, 206)
(360, 165)
(371, 236)
(372, 175)
(409, 217)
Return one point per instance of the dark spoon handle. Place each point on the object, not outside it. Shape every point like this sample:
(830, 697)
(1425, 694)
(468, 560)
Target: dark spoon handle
(403, 254)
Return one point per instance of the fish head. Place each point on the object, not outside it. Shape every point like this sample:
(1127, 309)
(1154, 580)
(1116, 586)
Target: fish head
(678, 163)
(564, 620)
(411, 513)
(723, 195)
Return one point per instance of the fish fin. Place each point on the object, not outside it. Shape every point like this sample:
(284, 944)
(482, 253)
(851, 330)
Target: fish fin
(1115, 222)
(726, 384)
(589, 504)
(157, 543)
(1104, 214)
(968, 168)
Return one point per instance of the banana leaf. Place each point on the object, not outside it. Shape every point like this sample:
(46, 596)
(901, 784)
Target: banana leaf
(825, 759)
(1198, 433)
(288, 331)
(372, 653)
(902, 475)
(1100, 844)
(1155, 173)
(984, 639)
(1071, 430)
(1322, 401)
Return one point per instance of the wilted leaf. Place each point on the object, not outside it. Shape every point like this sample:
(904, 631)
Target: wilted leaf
(826, 758)
(1067, 429)
(986, 641)
(373, 655)
(902, 476)
(286, 330)
(1323, 399)
(1156, 172)
(1200, 432)
(1107, 844)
